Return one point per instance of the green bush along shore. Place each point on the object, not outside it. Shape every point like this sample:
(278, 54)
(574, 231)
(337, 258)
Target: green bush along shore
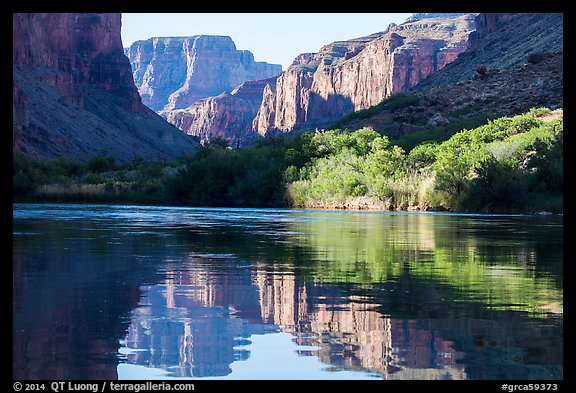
(510, 164)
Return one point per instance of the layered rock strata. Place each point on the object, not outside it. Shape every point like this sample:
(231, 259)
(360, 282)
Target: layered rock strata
(74, 96)
(227, 115)
(346, 76)
(514, 62)
(502, 41)
(174, 72)
(342, 77)
(508, 92)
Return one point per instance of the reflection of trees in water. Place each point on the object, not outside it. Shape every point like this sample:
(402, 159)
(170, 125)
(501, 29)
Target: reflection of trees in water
(501, 262)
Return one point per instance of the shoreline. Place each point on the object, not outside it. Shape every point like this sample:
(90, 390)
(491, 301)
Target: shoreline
(334, 207)
(368, 204)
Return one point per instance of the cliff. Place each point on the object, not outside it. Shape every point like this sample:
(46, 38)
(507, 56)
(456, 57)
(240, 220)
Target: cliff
(514, 62)
(227, 115)
(347, 76)
(321, 87)
(73, 92)
(174, 72)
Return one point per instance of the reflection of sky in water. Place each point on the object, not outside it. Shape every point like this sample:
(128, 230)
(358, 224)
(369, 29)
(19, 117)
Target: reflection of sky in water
(271, 356)
(249, 324)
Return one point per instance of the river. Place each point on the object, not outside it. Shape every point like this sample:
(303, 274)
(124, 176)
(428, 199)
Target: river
(141, 292)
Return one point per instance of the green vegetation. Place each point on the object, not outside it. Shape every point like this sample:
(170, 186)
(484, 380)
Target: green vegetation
(214, 175)
(218, 176)
(441, 133)
(395, 101)
(510, 164)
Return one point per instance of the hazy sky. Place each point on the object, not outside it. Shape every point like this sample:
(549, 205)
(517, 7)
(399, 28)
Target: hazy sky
(272, 37)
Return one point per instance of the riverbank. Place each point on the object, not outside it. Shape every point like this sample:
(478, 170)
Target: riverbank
(372, 204)
(510, 165)
(354, 204)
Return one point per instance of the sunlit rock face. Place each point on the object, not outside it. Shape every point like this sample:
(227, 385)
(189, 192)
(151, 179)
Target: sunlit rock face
(227, 115)
(174, 72)
(346, 76)
(74, 95)
(318, 88)
(502, 41)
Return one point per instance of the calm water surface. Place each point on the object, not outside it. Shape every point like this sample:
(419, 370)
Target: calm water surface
(129, 292)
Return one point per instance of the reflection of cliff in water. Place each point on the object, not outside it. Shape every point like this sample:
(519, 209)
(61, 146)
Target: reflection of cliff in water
(400, 329)
(404, 296)
(201, 323)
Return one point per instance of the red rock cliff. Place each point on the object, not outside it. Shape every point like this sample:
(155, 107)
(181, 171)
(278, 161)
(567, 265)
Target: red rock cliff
(351, 75)
(227, 115)
(79, 49)
(74, 94)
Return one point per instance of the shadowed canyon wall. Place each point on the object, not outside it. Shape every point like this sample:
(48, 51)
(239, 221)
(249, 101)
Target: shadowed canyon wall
(74, 94)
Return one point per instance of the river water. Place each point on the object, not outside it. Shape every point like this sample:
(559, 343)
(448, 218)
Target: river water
(140, 292)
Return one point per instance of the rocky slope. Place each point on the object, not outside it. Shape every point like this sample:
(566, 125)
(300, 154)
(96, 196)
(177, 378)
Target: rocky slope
(467, 104)
(351, 75)
(74, 96)
(502, 41)
(174, 72)
(227, 115)
(514, 63)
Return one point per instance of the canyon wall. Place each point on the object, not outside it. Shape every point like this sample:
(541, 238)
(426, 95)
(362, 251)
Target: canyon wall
(342, 77)
(502, 41)
(347, 76)
(174, 72)
(74, 95)
(227, 115)
(514, 62)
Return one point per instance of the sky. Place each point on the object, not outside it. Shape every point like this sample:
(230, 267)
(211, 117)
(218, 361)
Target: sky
(272, 37)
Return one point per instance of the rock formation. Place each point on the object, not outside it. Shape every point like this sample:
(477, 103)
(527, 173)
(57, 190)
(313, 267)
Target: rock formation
(427, 15)
(174, 72)
(227, 115)
(342, 77)
(346, 76)
(514, 63)
(502, 41)
(74, 96)
(421, 55)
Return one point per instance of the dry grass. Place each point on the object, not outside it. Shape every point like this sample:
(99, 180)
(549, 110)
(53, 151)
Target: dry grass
(72, 191)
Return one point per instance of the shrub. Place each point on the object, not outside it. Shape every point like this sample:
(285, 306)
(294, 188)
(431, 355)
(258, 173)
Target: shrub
(101, 163)
(92, 178)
